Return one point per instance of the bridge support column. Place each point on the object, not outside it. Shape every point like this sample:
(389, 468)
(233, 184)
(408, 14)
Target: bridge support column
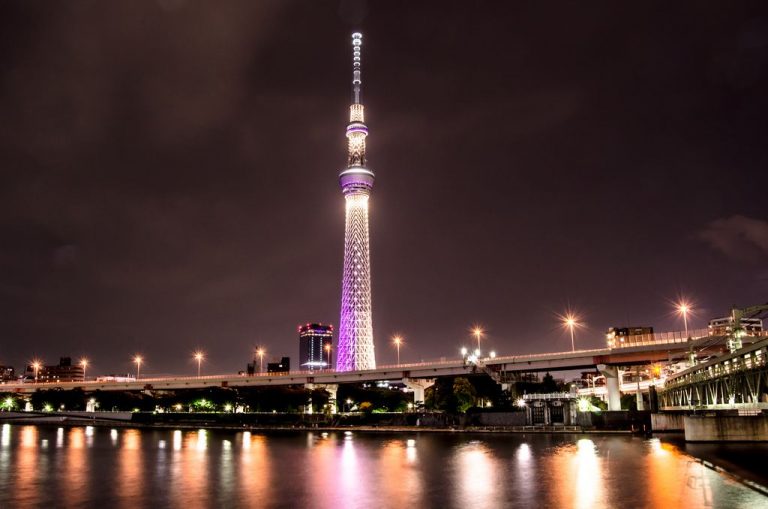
(611, 374)
(639, 394)
(331, 389)
(418, 386)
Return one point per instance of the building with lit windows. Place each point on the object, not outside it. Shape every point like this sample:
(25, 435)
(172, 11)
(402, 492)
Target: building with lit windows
(725, 325)
(64, 371)
(315, 346)
(282, 367)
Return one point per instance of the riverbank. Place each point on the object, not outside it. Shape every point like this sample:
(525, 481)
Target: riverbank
(195, 422)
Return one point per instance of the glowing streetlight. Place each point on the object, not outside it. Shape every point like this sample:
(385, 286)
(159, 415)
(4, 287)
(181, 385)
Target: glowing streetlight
(683, 308)
(570, 321)
(464, 351)
(397, 340)
(36, 365)
(199, 356)
(260, 352)
(492, 354)
(138, 360)
(328, 354)
(477, 332)
(84, 364)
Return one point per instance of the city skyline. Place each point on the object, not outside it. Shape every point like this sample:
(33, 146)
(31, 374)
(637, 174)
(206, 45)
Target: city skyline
(148, 201)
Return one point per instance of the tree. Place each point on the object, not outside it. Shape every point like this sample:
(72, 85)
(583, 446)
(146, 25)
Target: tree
(548, 384)
(440, 396)
(465, 393)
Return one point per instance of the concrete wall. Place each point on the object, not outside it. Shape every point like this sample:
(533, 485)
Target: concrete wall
(667, 422)
(499, 419)
(726, 428)
(59, 417)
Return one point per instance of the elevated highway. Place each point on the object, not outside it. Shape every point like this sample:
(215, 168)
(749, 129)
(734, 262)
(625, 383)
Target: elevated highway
(671, 347)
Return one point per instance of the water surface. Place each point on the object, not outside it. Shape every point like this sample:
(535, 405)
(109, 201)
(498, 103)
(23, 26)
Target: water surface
(129, 468)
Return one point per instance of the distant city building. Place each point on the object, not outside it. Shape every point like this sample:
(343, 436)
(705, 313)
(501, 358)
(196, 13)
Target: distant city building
(315, 342)
(7, 374)
(723, 326)
(616, 337)
(64, 371)
(116, 378)
(284, 366)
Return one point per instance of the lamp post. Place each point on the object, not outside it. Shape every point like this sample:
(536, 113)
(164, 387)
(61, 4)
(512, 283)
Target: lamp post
(199, 356)
(397, 340)
(84, 364)
(260, 353)
(138, 359)
(570, 321)
(683, 308)
(328, 354)
(36, 367)
(478, 332)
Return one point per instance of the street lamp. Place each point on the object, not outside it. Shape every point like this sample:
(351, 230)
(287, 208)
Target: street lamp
(492, 354)
(683, 308)
(138, 359)
(199, 356)
(328, 354)
(36, 365)
(570, 321)
(84, 364)
(477, 331)
(463, 351)
(397, 340)
(260, 352)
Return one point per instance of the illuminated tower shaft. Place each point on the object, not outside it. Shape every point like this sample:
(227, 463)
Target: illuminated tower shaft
(355, 349)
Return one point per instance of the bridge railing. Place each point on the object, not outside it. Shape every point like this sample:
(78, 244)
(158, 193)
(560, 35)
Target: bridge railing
(660, 338)
(756, 357)
(550, 395)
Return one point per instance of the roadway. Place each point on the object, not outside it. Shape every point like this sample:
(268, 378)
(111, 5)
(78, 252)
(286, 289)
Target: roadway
(672, 349)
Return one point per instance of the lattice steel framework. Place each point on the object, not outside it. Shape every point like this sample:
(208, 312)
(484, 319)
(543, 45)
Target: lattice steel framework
(355, 349)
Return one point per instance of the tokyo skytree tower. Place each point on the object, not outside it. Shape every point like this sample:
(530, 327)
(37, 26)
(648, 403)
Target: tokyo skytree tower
(355, 346)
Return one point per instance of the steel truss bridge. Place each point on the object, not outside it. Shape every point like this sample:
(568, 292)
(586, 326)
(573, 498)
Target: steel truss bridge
(734, 381)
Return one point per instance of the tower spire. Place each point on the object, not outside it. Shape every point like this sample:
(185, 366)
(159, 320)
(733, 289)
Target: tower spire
(355, 348)
(357, 42)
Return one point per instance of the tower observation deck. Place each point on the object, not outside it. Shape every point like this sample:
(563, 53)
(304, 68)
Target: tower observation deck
(355, 349)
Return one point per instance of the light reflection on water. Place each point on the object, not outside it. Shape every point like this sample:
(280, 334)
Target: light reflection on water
(190, 469)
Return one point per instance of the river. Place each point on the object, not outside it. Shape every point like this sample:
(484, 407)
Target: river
(84, 467)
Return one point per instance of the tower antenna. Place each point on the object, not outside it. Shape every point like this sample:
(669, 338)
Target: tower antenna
(357, 42)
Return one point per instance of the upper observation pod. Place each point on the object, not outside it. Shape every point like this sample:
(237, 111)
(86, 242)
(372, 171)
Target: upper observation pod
(356, 178)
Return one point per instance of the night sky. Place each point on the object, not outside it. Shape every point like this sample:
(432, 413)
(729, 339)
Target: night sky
(168, 173)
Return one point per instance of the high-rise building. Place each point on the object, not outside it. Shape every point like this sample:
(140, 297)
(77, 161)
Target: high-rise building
(64, 371)
(315, 346)
(355, 347)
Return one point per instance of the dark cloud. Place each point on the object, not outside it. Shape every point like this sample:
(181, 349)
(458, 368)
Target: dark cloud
(738, 237)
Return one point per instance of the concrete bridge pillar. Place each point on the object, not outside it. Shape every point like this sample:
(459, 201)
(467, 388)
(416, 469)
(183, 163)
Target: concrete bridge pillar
(418, 386)
(639, 394)
(612, 385)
